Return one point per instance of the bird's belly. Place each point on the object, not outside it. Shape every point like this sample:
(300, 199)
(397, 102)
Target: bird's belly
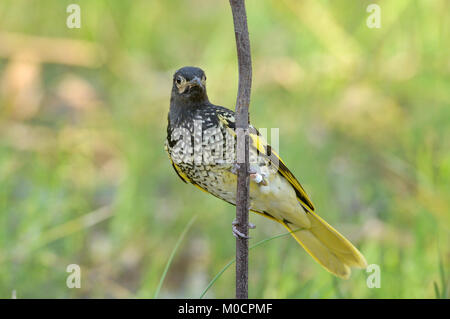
(216, 179)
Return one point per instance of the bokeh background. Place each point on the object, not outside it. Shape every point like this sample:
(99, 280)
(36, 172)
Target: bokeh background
(364, 118)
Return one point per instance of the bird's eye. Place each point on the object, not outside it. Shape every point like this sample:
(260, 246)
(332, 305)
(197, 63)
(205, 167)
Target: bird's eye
(179, 80)
(204, 78)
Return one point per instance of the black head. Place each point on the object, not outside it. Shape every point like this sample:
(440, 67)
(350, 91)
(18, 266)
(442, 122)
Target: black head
(189, 85)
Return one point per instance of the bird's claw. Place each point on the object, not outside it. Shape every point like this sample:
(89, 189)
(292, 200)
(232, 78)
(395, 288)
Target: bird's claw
(254, 173)
(237, 233)
(257, 176)
(259, 179)
(235, 168)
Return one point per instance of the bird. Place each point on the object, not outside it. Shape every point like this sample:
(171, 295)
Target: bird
(201, 147)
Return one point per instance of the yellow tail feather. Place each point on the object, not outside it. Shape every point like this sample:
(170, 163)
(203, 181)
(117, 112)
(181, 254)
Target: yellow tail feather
(327, 246)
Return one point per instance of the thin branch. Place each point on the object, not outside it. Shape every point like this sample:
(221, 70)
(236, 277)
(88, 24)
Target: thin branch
(242, 151)
(216, 277)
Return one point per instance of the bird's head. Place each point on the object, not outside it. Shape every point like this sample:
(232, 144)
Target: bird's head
(189, 84)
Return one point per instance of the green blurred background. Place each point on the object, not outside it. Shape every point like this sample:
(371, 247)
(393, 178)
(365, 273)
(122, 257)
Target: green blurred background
(364, 118)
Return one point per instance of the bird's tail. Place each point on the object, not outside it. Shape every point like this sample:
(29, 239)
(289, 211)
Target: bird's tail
(327, 246)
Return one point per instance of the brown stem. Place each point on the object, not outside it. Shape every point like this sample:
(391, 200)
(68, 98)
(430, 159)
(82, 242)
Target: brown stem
(242, 149)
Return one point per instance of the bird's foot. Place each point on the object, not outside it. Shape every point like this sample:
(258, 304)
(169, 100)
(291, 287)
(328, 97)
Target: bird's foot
(235, 168)
(237, 233)
(254, 172)
(257, 176)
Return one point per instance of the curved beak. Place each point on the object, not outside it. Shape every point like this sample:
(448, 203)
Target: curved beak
(196, 82)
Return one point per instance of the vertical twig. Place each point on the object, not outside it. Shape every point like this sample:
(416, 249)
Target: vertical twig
(242, 150)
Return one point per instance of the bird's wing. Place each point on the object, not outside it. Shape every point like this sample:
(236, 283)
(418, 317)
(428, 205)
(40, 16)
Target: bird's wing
(264, 149)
